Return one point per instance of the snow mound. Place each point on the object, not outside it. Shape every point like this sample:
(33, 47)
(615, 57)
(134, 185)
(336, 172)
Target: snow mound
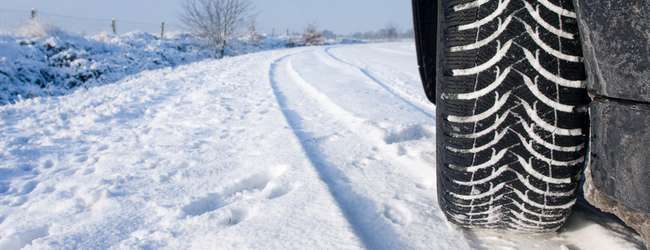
(42, 60)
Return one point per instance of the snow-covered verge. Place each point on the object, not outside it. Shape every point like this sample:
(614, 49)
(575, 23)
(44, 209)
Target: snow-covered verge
(307, 148)
(45, 61)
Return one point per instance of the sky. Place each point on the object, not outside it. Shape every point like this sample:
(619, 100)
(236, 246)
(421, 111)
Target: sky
(341, 16)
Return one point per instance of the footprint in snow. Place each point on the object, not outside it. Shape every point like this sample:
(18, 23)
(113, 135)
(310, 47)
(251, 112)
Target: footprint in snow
(88, 171)
(398, 213)
(236, 216)
(82, 159)
(203, 205)
(48, 164)
(277, 191)
(101, 148)
(26, 167)
(410, 133)
(17, 201)
(257, 186)
(23, 238)
(28, 187)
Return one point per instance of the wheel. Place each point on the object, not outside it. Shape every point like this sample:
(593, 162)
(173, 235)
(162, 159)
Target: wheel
(512, 126)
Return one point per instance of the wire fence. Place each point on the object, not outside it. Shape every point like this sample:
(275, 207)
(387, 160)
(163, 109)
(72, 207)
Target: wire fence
(11, 20)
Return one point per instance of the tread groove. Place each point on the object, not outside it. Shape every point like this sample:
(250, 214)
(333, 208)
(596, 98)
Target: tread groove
(513, 140)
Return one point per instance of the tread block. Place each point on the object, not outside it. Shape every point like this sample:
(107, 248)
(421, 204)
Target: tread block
(511, 139)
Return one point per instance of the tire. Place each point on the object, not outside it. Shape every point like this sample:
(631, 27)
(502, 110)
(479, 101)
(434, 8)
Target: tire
(512, 126)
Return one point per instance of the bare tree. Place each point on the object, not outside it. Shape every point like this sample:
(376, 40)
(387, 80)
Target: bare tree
(215, 20)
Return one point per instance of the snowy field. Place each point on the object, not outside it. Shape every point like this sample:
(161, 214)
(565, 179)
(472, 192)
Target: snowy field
(308, 148)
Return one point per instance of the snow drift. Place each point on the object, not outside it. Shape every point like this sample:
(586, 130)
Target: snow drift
(41, 60)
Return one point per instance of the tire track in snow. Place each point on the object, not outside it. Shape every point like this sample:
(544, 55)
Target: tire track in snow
(383, 85)
(393, 51)
(389, 75)
(351, 121)
(373, 232)
(372, 133)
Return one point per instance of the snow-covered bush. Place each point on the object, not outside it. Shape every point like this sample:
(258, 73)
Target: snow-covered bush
(52, 62)
(42, 60)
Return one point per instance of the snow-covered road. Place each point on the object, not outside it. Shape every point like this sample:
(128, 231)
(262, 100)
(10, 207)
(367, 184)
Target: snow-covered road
(309, 148)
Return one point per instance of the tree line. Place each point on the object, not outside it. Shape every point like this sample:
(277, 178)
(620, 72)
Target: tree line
(219, 21)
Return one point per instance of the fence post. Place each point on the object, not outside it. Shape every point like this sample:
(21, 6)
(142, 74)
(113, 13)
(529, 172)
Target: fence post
(162, 31)
(114, 26)
(33, 14)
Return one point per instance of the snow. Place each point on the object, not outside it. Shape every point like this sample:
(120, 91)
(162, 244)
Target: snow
(305, 148)
(42, 60)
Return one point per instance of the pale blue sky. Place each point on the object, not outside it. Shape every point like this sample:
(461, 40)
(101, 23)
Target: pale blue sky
(342, 16)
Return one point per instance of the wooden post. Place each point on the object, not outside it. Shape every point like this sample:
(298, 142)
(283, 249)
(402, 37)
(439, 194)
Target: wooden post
(162, 31)
(114, 26)
(33, 14)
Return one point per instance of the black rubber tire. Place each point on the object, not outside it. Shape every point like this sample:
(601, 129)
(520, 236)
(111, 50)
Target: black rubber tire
(512, 126)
